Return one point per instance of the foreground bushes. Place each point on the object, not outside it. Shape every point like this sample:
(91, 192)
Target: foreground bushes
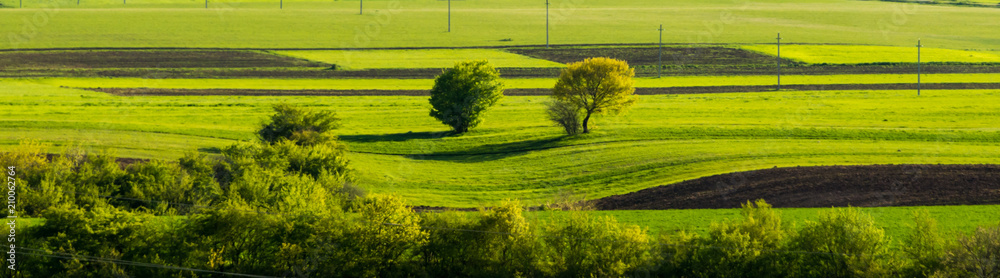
(378, 236)
(286, 209)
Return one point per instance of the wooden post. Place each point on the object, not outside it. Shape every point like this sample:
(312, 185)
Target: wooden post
(779, 61)
(918, 67)
(659, 69)
(546, 23)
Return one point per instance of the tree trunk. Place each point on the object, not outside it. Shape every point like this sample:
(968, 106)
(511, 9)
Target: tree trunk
(585, 120)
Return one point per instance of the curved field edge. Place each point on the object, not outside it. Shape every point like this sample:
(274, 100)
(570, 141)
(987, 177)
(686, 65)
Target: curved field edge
(618, 168)
(825, 186)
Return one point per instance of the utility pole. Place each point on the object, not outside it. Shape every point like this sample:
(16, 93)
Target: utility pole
(281, 4)
(546, 23)
(361, 8)
(918, 66)
(779, 61)
(206, 4)
(449, 16)
(659, 70)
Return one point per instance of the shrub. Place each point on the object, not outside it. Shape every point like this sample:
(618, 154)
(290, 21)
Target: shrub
(462, 94)
(976, 255)
(843, 243)
(745, 248)
(383, 244)
(302, 126)
(565, 115)
(498, 242)
(585, 245)
(924, 246)
(102, 231)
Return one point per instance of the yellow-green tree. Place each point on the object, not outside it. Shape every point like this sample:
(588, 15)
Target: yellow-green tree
(596, 85)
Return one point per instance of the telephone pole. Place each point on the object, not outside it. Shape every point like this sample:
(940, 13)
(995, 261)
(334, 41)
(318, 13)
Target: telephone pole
(659, 69)
(361, 7)
(779, 61)
(449, 16)
(546, 23)
(918, 66)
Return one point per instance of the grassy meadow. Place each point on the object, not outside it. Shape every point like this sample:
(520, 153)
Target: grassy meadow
(396, 147)
(517, 83)
(897, 221)
(422, 23)
(861, 54)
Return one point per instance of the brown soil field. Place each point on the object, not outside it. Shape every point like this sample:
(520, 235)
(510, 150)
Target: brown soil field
(96, 59)
(650, 55)
(825, 186)
(537, 92)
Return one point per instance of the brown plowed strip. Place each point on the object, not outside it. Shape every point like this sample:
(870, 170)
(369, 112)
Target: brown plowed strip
(533, 92)
(147, 59)
(826, 186)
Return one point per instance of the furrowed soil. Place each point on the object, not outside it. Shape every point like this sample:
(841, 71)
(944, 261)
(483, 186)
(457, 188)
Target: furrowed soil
(651, 55)
(825, 186)
(95, 59)
(539, 92)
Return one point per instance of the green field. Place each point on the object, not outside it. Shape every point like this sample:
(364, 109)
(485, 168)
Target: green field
(424, 58)
(516, 153)
(526, 83)
(860, 54)
(418, 23)
(895, 220)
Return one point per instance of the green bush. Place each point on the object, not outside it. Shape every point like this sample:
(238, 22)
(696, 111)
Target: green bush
(750, 247)
(843, 243)
(302, 126)
(924, 246)
(498, 242)
(976, 255)
(585, 245)
(101, 231)
(384, 241)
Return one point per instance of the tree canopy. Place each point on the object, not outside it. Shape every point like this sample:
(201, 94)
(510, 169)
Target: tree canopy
(463, 93)
(596, 85)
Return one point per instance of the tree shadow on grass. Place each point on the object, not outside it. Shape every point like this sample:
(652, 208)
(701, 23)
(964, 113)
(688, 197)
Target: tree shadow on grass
(396, 137)
(490, 152)
(480, 153)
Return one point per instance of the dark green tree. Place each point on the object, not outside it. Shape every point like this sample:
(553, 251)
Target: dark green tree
(463, 93)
